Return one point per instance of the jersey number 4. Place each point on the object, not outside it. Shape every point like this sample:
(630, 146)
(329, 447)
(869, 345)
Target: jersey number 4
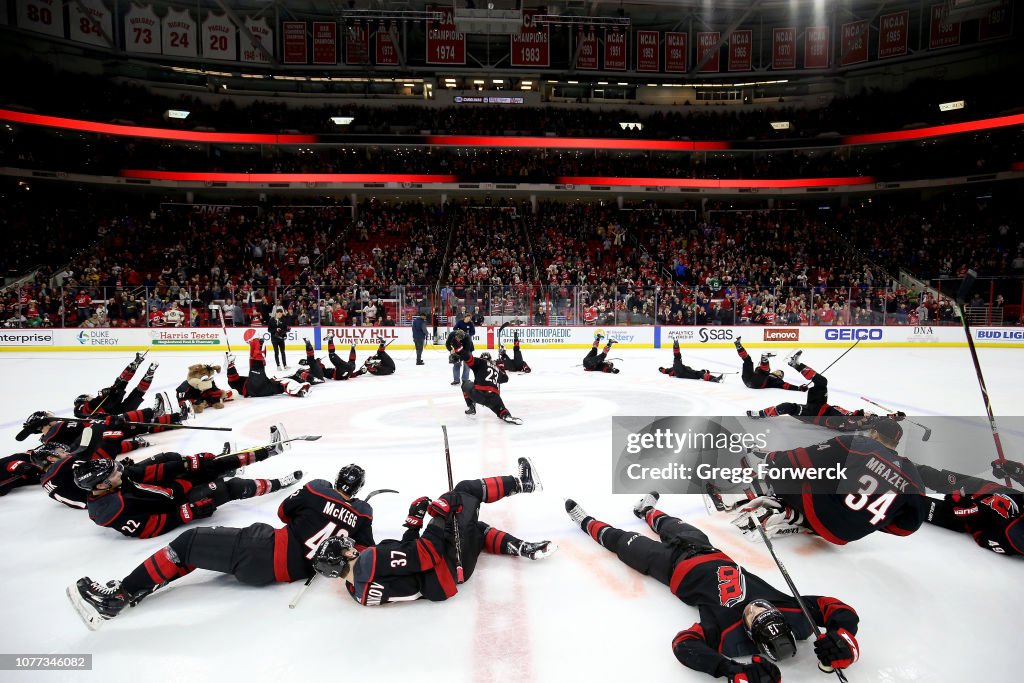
(861, 500)
(314, 541)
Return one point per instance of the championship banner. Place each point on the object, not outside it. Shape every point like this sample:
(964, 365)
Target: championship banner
(648, 56)
(853, 43)
(357, 42)
(179, 33)
(784, 48)
(943, 33)
(141, 30)
(325, 42)
(293, 35)
(445, 44)
(385, 49)
(816, 47)
(998, 23)
(707, 42)
(219, 37)
(614, 50)
(741, 44)
(586, 49)
(531, 47)
(89, 21)
(677, 49)
(262, 36)
(892, 34)
(41, 16)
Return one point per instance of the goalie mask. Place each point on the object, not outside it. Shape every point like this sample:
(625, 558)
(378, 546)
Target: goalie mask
(769, 630)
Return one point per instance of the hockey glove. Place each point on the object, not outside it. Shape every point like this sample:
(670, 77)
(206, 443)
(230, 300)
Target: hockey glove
(114, 420)
(777, 518)
(963, 506)
(195, 461)
(417, 510)
(442, 507)
(1001, 469)
(837, 649)
(139, 442)
(454, 358)
(760, 670)
(23, 468)
(200, 509)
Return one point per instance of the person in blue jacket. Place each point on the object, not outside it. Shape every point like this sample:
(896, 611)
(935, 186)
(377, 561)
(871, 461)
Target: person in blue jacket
(419, 335)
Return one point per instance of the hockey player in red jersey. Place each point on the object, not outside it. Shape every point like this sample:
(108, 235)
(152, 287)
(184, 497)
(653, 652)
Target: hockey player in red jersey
(425, 566)
(989, 512)
(682, 371)
(257, 383)
(889, 496)
(741, 614)
(143, 501)
(762, 376)
(256, 555)
(112, 400)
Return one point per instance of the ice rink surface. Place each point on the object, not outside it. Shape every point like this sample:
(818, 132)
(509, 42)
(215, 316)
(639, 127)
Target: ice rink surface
(933, 606)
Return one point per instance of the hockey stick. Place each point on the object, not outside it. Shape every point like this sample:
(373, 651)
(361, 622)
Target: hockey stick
(927, 430)
(302, 591)
(147, 424)
(455, 520)
(374, 493)
(822, 372)
(961, 295)
(306, 437)
(789, 580)
(224, 326)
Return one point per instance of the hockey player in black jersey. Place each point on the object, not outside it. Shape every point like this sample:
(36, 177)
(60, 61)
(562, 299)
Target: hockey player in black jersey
(425, 566)
(380, 363)
(762, 377)
(740, 613)
(594, 361)
(817, 410)
(146, 501)
(52, 429)
(516, 362)
(257, 383)
(18, 470)
(256, 555)
(989, 512)
(889, 495)
(484, 388)
(318, 372)
(682, 371)
(97, 442)
(112, 400)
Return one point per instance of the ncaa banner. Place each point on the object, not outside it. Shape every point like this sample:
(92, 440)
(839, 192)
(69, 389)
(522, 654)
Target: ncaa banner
(357, 42)
(998, 23)
(893, 30)
(141, 30)
(677, 49)
(741, 44)
(586, 49)
(816, 47)
(532, 45)
(943, 32)
(853, 43)
(445, 44)
(707, 43)
(614, 50)
(784, 48)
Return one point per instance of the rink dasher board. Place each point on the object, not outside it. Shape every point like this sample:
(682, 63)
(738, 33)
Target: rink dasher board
(536, 337)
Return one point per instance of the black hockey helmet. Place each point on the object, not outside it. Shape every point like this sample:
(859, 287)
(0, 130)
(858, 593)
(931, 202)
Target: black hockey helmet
(769, 630)
(334, 556)
(91, 473)
(41, 456)
(350, 479)
(35, 423)
(485, 356)
(82, 400)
